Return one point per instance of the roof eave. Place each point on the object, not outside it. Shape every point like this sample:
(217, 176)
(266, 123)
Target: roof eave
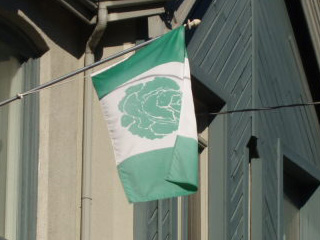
(86, 10)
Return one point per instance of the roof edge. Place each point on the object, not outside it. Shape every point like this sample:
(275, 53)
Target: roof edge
(307, 51)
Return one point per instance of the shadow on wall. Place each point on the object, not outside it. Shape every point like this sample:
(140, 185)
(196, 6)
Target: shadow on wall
(126, 31)
(61, 26)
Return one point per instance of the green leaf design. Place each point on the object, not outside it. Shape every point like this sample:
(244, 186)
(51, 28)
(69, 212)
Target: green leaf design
(152, 110)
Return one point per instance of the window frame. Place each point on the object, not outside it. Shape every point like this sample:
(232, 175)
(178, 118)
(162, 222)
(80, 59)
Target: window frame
(28, 47)
(180, 206)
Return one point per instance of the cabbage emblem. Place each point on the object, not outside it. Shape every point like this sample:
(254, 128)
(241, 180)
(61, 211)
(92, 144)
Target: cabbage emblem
(152, 110)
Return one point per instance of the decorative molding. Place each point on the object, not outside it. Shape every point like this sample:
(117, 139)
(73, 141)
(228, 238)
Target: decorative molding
(16, 31)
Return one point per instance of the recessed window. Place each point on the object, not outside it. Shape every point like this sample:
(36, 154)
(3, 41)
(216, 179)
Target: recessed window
(11, 82)
(18, 144)
(183, 218)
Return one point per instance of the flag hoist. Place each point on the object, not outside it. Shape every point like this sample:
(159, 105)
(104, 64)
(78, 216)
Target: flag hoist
(148, 106)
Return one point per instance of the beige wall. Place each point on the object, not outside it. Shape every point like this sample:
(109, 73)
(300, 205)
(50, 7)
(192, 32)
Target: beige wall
(61, 132)
(61, 129)
(112, 215)
(60, 125)
(61, 119)
(60, 147)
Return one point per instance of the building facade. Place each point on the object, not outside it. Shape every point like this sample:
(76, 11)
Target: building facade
(259, 170)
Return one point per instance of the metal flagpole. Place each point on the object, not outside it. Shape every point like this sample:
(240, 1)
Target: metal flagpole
(20, 96)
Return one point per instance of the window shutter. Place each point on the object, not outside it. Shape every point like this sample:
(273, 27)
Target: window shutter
(155, 220)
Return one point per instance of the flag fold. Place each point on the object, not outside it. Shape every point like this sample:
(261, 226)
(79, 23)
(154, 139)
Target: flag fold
(148, 106)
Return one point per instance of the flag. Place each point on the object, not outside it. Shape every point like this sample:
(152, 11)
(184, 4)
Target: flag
(148, 106)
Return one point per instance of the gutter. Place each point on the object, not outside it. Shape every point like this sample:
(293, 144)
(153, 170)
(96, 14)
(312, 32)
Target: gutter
(86, 195)
(83, 9)
(77, 12)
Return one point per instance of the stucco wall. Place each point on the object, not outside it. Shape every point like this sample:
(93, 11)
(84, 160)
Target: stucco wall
(60, 114)
(112, 215)
(61, 147)
(61, 128)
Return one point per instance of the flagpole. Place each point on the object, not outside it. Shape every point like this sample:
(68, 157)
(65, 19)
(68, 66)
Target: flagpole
(20, 96)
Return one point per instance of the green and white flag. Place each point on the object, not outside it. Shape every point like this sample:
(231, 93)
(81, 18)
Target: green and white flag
(148, 105)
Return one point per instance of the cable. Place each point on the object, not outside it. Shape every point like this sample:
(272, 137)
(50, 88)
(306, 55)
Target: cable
(262, 108)
(20, 96)
(63, 80)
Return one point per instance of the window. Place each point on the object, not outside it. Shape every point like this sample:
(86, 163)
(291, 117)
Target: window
(11, 80)
(182, 218)
(189, 218)
(192, 211)
(198, 203)
(18, 140)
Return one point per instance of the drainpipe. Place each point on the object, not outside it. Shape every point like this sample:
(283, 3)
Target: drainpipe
(86, 197)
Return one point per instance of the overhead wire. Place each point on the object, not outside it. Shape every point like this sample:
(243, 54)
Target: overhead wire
(71, 77)
(264, 108)
(243, 110)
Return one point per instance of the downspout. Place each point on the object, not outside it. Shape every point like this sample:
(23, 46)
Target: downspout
(86, 197)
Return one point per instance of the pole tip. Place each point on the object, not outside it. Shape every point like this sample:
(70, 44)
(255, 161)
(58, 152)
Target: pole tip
(193, 23)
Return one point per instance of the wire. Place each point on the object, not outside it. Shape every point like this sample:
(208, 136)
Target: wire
(71, 77)
(33, 91)
(262, 108)
(20, 96)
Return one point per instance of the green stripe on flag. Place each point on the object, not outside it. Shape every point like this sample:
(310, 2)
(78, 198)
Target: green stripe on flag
(157, 175)
(168, 48)
(184, 163)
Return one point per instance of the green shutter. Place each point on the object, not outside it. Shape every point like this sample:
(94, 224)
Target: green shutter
(155, 220)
